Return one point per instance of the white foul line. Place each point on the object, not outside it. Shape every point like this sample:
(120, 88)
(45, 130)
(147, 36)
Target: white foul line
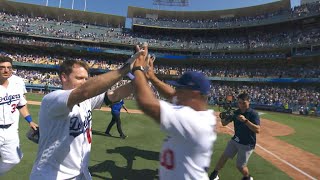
(282, 160)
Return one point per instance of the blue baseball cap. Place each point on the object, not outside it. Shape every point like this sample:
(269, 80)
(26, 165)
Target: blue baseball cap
(193, 80)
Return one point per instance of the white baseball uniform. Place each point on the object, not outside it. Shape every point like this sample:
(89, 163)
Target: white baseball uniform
(18, 81)
(186, 152)
(65, 137)
(11, 97)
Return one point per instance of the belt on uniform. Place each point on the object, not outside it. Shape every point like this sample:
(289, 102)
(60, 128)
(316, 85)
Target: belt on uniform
(6, 126)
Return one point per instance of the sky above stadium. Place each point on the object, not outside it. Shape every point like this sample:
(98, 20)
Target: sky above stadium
(119, 7)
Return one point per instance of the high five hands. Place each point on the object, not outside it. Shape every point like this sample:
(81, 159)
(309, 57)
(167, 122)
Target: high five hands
(145, 60)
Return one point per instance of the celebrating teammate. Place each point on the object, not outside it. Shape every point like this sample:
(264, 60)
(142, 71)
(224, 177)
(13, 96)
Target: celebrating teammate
(246, 125)
(65, 120)
(190, 126)
(12, 102)
(18, 82)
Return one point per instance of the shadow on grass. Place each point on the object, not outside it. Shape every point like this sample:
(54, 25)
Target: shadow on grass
(94, 132)
(130, 154)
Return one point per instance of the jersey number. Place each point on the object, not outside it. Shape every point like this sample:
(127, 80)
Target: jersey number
(14, 107)
(167, 159)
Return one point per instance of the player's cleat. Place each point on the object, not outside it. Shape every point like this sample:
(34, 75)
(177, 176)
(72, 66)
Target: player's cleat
(214, 175)
(108, 134)
(247, 178)
(123, 136)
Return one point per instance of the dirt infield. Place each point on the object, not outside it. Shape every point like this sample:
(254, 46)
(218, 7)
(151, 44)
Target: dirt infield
(295, 162)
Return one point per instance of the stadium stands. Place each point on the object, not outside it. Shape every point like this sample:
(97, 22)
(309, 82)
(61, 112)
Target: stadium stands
(273, 55)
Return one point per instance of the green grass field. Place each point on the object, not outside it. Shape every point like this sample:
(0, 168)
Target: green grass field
(137, 156)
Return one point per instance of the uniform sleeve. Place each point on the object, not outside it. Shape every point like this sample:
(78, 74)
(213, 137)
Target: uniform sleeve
(19, 81)
(56, 102)
(174, 121)
(23, 86)
(255, 118)
(22, 101)
(97, 101)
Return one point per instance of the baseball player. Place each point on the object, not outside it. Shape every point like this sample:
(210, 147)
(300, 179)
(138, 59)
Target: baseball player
(12, 102)
(65, 120)
(18, 82)
(189, 125)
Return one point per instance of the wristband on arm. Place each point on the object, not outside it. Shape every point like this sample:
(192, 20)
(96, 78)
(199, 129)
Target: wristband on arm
(28, 118)
(130, 76)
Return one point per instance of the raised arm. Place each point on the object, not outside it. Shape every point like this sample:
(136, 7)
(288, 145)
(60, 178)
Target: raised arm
(96, 85)
(145, 98)
(100, 84)
(120, 93)
(164, 89)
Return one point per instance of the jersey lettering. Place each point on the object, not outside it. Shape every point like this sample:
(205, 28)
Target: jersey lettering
(7, 99)
(14, 107)
(75, 127)
(88, 131)
(167, 159)
(87, 126)
(78, 127)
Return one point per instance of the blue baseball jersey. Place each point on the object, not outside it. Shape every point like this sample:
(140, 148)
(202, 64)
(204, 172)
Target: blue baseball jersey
(243, 135)
(116, 107)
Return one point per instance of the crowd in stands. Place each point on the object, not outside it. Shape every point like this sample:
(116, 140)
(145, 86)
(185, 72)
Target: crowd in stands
(37, 77)
(236, 40)
(294, 97)
(227, 69)
(236, 71)
(282, 97)
(289, 97)
(227, 22)
(95, 48)
(56, 60)
(34, 42)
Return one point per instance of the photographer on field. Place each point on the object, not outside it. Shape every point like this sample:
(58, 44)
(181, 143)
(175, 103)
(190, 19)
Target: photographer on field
(227, 110)
(246, 126)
